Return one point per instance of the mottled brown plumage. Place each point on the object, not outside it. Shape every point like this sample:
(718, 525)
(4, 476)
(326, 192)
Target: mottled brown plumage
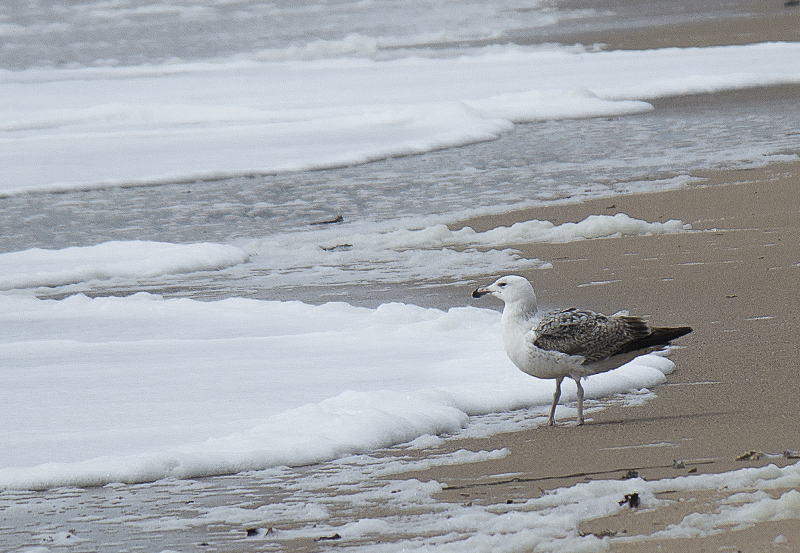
(591, 335)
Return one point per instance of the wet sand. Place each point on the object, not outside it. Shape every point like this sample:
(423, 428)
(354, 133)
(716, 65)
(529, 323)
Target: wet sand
(747, 23)
(734, 279)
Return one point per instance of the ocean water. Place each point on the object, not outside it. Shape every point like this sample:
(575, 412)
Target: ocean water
(250, 153)
(169, 300)
(134, 32)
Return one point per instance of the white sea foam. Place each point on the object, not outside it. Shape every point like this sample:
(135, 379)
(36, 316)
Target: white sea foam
(120, 389)
(338, 255)
(407, 514)
(109, 260)
(551, 522)
(156, 123)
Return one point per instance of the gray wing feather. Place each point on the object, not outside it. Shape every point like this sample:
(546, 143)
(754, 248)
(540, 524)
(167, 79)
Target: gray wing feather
(591, 335)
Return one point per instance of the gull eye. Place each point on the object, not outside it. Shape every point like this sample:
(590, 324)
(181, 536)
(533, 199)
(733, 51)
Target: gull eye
(501, 284)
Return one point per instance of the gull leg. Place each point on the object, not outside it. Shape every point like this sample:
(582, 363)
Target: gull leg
(580, 400)
(556, 396)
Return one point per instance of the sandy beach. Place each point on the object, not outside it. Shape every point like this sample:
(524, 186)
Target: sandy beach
(734, 280)
(729, 404)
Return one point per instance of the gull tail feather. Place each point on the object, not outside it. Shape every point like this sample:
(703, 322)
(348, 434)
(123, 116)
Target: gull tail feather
(659, 336)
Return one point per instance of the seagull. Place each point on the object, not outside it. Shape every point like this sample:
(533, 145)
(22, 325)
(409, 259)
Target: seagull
(570, 342)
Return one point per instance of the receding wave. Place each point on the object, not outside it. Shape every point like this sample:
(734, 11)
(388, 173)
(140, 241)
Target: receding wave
(345, 255)
(106, 126)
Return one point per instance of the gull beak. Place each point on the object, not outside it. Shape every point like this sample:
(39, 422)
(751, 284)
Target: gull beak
(480, 292)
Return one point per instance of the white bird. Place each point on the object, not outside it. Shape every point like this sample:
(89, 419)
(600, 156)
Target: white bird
(570, 342)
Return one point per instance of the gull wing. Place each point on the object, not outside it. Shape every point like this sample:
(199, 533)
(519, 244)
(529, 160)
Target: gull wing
(591, 335)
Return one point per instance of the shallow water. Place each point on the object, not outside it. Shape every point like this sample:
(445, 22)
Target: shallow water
(131, 32)
(533, 163)
(551, 160)
(539, 162)
(374, 503)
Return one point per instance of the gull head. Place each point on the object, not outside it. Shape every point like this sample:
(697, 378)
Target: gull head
(511, 289)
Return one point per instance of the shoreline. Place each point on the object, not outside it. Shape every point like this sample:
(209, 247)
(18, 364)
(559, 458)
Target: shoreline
(763, 22)
(755, 214)
(733, 279)
(725, 407)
